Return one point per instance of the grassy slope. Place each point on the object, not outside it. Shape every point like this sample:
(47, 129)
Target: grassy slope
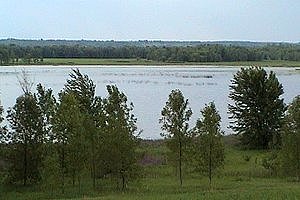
(95, 61)
(240, 179)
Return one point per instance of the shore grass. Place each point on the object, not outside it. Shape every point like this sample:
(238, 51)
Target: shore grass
(240, 179)
(97, 61)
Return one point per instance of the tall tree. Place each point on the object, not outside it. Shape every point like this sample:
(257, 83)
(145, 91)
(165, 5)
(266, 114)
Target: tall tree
(208, 149)
(2, 128)
(69, 130)
(290, 151)
(48, 105)
(121, 141)
(83, 89)
(175, 117)
(26, 138)
(257, 108)
(3, 136)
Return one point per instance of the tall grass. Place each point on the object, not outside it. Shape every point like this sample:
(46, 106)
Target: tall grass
(243, 177)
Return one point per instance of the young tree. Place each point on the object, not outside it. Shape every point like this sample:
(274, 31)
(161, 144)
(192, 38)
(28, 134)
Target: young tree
(50, 172)
(83, 89)
(208, 149)
(257, 108)
(120, 143)
(26, 136)
(2, 128)
(48, 105)
(69, 134)
(290, 152)
(3, 136)
(26, 139)
(175, 117)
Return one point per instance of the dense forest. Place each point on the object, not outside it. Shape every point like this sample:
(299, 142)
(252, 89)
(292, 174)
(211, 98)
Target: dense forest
(15, 54)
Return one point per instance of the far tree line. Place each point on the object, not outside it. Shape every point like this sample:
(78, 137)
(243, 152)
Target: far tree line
(14, 54)
(53, 141)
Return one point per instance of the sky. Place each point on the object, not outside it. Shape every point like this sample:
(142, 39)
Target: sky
(249, 20)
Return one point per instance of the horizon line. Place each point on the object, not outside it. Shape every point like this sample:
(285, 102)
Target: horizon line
(144, 40)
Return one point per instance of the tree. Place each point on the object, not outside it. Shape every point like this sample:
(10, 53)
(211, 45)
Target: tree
(208, 148)
(3, 136)
(51, 173)
(290, 151)
(48, 106)
(175, 117)
(121, 141)
(2, 128)
(257, 108)
(83, 89)
(69, 134)
(26, 138)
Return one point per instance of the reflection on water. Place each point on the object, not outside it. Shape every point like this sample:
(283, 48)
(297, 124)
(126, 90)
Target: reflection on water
(148, 87)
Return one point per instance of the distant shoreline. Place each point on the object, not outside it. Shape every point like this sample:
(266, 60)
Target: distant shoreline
(143, 63)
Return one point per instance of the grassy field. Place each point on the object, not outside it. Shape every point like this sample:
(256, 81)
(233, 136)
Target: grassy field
(240, 179)
(95, 61)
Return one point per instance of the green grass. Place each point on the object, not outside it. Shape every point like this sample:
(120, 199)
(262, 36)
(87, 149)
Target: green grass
(97, 61)
(240, 179)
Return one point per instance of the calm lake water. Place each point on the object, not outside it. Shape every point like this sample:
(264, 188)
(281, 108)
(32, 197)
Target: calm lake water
(148, 87)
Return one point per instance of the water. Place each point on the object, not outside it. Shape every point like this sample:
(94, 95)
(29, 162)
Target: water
(148, 87)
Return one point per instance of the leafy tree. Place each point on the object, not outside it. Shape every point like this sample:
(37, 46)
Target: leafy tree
(50, 172)
(257, 108)
(290, 152)
(48, 105)
(83, 89)
(2, 128)
(208, 148)
(175, 117)
(69, 134)
(3, 135)
(119, 152)
(26, 138)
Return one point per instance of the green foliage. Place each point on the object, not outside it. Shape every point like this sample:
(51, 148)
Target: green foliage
(120, 142)
(70, 135)
(175, 117)
(257, 109)
(290, 151)
(83, 90)
(208, 149)
(189, 52)
(26, 138)
(2, 128)
(47, 104)
(158, 183)
(271, 162)
(247, 158)
(51, 172)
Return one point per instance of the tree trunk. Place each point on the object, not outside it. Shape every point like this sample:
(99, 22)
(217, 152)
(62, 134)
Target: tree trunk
(210, 161)
(180, 161)
(63, 169)
(123, 182)
(298, 162)
(25, 164)
(73, 178)
(93, 164)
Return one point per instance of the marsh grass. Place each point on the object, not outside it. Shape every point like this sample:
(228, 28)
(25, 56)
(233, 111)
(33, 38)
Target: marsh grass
(240, 179)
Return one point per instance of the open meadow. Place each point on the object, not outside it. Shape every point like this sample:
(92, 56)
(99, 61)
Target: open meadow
(133, 61)
(243, 177)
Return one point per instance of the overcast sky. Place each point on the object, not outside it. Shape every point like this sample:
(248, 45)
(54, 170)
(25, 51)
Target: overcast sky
(254, 20)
